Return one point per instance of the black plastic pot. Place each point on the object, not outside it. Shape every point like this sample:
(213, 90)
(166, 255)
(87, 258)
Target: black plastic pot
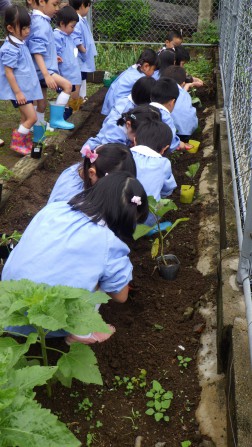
(36, 150)
(5, 249)
(170, 270)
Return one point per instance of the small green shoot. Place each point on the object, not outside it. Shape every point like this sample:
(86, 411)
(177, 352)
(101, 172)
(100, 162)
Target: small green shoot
(86, 406)
(183, 361)
(5, 173)
(158, 327)
(192, 170)
(186, 443)
(7, 240)
(135, 415)
(159, 403)
(131, 383)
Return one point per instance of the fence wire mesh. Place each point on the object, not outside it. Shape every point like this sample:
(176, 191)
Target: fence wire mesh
(144, 20)
(235, 49)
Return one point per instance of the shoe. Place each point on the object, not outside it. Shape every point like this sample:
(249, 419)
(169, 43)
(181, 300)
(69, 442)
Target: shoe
(56, 117)
(84, 100)
(94, 337)
(74, 104)
(1, 142)
(21, 143)
(38, 134)
(162, 225)
(67, 113)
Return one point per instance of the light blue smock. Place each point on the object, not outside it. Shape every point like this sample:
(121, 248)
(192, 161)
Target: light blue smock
(63, 247)
(155, 173)
(67, 185)
(19, 59)
(110, 132)
(167, 119)
(41, 41)
(121, 87)
(184, 114)
(82, 36)
(66, 49)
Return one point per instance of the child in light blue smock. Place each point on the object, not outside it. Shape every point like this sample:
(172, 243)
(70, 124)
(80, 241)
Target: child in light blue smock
(105, 159)
(110, 131)
(43, 50)
(18, 77)
(66, 20)
(184, 114)
(121, 87)
(163, 96)
(79, 244)
(84, 41)
(152, 139)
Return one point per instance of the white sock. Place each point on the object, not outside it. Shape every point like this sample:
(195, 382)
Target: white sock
(62, 99)
(40, 119)
(83, 89)
(23, 130)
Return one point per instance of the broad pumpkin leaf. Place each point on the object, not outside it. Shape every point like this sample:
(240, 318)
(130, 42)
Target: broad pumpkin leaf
(31, 376)
(16, 350)
(83, 318)
(30, 425)
(79, 363)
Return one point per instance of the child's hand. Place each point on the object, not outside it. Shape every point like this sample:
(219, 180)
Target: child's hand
(59, 59)
(50, 82)
(197, 82)
(21, 99)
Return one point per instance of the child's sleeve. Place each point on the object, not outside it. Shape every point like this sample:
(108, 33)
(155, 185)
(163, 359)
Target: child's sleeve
(59, 43)
(38, 39)
(169, 181)
(9, 56)
(118, 268)
(77, 37)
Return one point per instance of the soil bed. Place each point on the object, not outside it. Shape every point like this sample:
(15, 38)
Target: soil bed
(150, 328)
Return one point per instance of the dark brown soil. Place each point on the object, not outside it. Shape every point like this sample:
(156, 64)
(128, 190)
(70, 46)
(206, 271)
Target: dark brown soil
(151, 327)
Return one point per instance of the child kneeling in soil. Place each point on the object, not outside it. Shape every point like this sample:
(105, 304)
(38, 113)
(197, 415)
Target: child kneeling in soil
(105, 159)
(18, 77)
(79, 243)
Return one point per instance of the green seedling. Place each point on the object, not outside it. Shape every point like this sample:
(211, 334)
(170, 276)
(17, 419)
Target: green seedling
(135, 415)
(131, 383)
(10, 241)
(90, 439)
(158, 327)
(5, 173)
(186, 443)
(86, 406)
(195, 98)
(158, 209)
(183, 361)
(192, 171)
(159, 403)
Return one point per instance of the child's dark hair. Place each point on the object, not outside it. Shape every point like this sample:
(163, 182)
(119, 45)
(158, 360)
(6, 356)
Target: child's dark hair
(148, 56)
(166, 58)
(16, 16)
(66, 15)
(141, 90)
(164, 90)
(154, 134)
(139, 114)
(76, 4)
(112, 157)
(118, 199)
(181, 55)
(172, 34)
(176, 73)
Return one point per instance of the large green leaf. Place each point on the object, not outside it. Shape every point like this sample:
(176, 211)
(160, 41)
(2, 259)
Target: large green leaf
(83, 318)
(49, 313)
(33, 426)
(15, 349)
(79, 363)
(141, 230)
(31, 376)
(182, 219)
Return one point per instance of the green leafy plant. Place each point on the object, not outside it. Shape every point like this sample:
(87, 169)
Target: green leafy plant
(207, 33)
(13, 238)
(192, 171)
(22, 420)
(183, 361)
(130, 383)
(158, 209)
(159, 403)
(186, 443)
(86, 406)
(195, 99)
(48, 309)
(121, 20)
(5, 173)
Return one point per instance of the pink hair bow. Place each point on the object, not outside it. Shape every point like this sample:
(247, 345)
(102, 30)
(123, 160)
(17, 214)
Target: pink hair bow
(136, 200)
(92, 155)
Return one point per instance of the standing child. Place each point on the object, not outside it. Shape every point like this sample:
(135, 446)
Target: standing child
(18, 77)
(121, 87)
(173, 39)
(43, 50)
(67, 53)
(80, 243)
(84, 41)
(105, 159)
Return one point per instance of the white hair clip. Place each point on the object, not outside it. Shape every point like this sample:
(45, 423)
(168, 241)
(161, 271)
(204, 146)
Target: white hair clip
(136, 200)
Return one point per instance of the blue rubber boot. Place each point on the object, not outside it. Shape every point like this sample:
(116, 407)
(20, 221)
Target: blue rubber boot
(162, 225)
(38, 134)
(56, 117)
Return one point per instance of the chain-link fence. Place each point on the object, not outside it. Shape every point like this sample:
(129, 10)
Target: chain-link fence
(145, 20)
(236, 66)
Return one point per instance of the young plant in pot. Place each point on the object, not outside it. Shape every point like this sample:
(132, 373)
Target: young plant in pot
(167, 264)
(187, 191)
(5, 175)
(7, 243)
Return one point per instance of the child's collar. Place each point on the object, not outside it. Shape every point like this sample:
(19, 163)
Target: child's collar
(159, 106)
(145, 150)
(37, 12)
(15, 40)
